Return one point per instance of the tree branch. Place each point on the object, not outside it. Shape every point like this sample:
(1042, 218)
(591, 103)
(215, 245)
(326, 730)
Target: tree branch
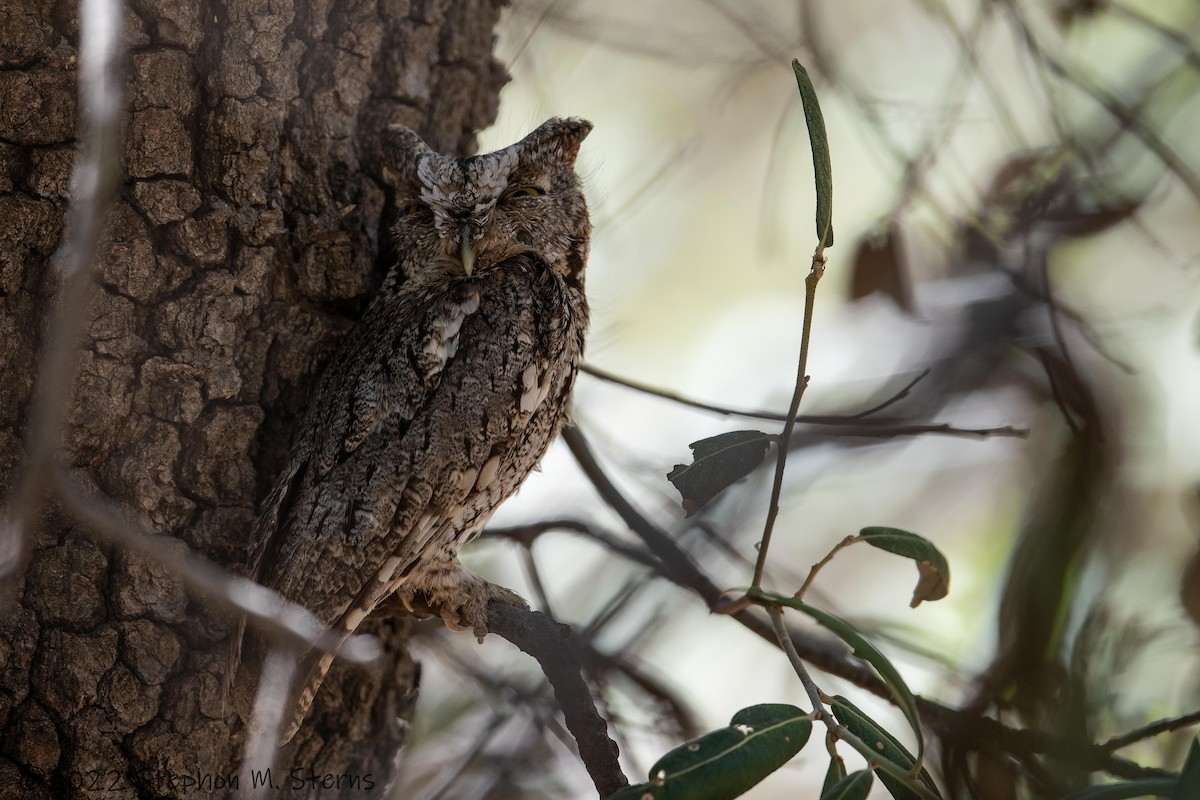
(550, 643)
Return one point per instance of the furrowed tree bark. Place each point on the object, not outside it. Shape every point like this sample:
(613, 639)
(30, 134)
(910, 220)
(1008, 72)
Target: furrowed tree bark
(245, 240)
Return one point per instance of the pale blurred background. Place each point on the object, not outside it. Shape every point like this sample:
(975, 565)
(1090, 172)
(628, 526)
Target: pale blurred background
(700, 182)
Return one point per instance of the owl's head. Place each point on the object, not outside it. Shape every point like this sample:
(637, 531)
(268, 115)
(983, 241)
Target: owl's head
(461, 216)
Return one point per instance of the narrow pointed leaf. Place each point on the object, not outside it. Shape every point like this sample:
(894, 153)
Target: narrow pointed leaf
(934, 570)
(868, 652)
(855, 786)
(884, 746)
(726, 763)
(819, 141)
(835, 772)
(718, 462)
(1189, 780)
(1151, 787)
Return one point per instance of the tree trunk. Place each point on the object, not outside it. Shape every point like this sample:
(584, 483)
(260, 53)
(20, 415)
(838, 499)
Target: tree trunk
(244, 241)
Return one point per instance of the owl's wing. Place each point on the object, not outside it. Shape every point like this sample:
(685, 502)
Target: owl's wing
(419, 400)
(346, 481)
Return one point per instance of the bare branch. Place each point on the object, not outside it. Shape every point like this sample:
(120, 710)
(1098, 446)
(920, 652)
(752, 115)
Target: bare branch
(550, 643)
(1152, 730)
(810, 297)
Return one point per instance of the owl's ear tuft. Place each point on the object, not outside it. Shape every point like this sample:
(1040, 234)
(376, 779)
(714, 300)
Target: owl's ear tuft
(557, 137)
(401, 149)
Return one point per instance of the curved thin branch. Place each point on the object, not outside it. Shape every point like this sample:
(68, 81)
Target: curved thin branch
(1152, 730)
(550, 642)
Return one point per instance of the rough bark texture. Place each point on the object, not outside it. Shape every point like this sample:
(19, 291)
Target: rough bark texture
(243, 244)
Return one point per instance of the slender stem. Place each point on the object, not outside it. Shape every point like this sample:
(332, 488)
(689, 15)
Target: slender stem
(1153, 729)
(896, 398)
(857, 424)
(810, 688)
(812, 573)
(674, 397)
(810, 295)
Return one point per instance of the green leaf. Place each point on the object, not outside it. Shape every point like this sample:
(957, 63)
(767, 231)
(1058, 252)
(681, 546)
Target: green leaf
(862, 648)
(884, 746)
(718, 462)
(726, 763)
(934, 583)
(855, 786)
(1188, 787)
(822, 169)
(1153, 787)
(836, 771)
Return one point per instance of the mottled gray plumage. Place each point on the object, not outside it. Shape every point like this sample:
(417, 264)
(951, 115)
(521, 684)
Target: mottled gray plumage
(443, 397)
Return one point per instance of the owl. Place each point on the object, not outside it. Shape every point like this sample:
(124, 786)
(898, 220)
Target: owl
(441, 399)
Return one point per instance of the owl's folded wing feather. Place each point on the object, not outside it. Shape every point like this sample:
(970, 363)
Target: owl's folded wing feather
(406, 410)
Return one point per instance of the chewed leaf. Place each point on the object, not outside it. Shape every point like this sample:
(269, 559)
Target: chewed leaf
(932, 584)
(934, 570)
(718, 462)
(726, 763)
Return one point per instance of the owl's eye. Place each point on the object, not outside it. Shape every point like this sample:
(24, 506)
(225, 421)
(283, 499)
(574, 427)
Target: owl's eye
(523, 191)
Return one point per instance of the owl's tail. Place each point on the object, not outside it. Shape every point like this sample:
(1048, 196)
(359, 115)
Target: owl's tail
(244, 677)
(248, 655)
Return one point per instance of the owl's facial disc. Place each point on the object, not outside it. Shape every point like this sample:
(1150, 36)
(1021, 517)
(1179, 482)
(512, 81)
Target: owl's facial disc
(462, 195)
(465, 216)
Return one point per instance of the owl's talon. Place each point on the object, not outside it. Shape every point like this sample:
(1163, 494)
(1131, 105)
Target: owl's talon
(461, 597)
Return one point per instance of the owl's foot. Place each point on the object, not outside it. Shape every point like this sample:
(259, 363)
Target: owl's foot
(460, 596)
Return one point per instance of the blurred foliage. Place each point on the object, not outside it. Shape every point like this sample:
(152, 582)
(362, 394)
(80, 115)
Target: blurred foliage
(1017, 196)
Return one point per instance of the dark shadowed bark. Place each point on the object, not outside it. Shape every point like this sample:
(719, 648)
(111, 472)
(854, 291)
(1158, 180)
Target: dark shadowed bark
(244, 241)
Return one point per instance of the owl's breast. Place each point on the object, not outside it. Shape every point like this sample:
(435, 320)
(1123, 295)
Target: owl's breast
(504, 393)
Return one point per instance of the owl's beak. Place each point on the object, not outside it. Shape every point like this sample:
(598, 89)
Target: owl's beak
(466, 249)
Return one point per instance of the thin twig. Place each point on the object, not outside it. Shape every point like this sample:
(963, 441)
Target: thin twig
(550, 643)
(812, 573)
(749, 413)
(525, 534)
(930, 429)
(535, 580)
(810, 687)
(674, 397)
(810, 296)
(1151, 730)
(897, 397)
(879, 429)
